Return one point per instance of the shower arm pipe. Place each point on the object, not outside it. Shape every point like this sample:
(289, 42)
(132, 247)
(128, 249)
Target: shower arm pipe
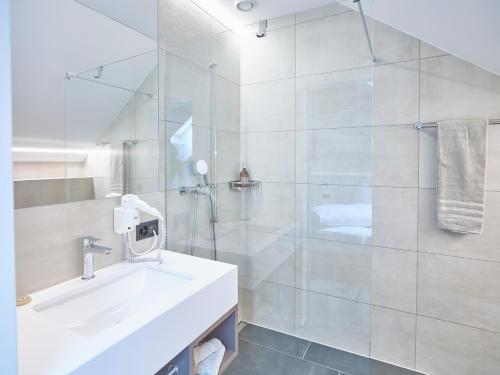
(365, 27)
(213, 138)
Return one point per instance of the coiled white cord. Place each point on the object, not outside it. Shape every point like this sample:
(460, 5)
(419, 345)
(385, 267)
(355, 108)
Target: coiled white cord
(127, 244)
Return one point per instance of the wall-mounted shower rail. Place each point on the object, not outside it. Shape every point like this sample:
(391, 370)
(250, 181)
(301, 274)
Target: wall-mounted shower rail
(425, 125)
(367, 33)
(75, 75)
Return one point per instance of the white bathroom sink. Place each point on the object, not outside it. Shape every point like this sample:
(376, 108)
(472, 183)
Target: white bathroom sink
(89, 310)
(151, 310)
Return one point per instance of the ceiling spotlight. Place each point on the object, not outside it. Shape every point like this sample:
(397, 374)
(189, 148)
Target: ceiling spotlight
(245, 5)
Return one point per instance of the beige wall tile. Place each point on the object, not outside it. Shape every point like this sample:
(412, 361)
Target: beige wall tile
(452, 88)
(394, 279)
(391, 45)
(268, 106)
(333, 321)
(267, 304)
(459, 290)
(451, 349)
(395, 218)
(334, 268)
(338, 99)
(323, 45)
(334, 156)
(269, 58)
(395, 156)
(395, 93)
(393, 337)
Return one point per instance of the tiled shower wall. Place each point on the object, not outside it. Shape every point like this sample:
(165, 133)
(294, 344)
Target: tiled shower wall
(322, 128)
(190, 42)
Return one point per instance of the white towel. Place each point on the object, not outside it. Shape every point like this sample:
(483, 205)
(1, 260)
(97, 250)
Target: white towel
(461, 174)
(208, 357)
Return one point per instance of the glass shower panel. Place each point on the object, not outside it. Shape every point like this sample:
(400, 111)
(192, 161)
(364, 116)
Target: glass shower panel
(201, 122)
(111, 113)
(334, 179)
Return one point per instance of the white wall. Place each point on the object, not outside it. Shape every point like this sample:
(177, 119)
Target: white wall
(8, 357)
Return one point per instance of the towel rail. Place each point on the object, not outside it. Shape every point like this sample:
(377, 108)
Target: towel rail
(425, 125)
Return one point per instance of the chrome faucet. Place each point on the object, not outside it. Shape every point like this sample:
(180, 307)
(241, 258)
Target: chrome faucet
(89, 248)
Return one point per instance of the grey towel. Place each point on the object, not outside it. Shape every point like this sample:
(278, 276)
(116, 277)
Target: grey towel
(461, 174)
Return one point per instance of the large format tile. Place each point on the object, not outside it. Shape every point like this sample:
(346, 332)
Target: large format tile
(334, 156)
(187, 91)
(339, 213)
(274, 340)
(332, 321)
(257, 360)
(452, 88)
(183, 145)
(334, 268)
(459, 290)
(340, 360)
(428, 50)
(450, 349)
(395, 156)
(260, 255)
(268, 106)
(393, 337)
(394, 278)
(227, 105)
(331, 43)
(46, 257)
(428, 158)
(321, 12)
(225, 51)
(272, 209)
(395, 218)
(184, 29)
(435, 240)
(269, 58)
(228, 156)
(257, 149)
(391, 45)
(395, 93)
(337, 99)
(267, 304)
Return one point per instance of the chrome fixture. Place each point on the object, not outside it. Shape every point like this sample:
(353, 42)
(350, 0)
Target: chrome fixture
(98, 74)
(200, 168)
(262, 29)
(425, 125)
(363, 20)
(244, 5)
(89, 248)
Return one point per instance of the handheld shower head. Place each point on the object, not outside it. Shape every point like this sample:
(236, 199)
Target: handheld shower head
(200, 167)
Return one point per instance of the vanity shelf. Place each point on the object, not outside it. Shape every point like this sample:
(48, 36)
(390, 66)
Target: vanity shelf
(225, 329)
(244, 185)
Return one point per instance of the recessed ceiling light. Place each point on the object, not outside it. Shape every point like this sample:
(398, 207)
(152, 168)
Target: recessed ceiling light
(244, 5)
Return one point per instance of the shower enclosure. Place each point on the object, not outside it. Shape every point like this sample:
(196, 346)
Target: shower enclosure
(302, 120)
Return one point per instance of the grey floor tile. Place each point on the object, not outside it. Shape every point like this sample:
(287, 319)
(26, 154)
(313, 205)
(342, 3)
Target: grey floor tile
(338, 359)
(381, 368)
(275, 340)
(258, 360)
(351, 363)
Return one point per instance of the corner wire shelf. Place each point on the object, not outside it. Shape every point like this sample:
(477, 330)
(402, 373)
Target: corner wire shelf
(244, 185)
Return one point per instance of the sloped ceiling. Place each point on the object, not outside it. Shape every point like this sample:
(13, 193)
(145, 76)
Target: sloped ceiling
(52, 37)
(468, 29)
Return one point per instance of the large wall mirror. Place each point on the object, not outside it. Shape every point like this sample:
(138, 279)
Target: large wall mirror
(86, 105)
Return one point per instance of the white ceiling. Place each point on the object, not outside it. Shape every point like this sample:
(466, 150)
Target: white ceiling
(232, 18)
(52, 37)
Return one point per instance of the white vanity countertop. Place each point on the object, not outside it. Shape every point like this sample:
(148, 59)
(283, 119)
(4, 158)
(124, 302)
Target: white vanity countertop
(144, 341)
